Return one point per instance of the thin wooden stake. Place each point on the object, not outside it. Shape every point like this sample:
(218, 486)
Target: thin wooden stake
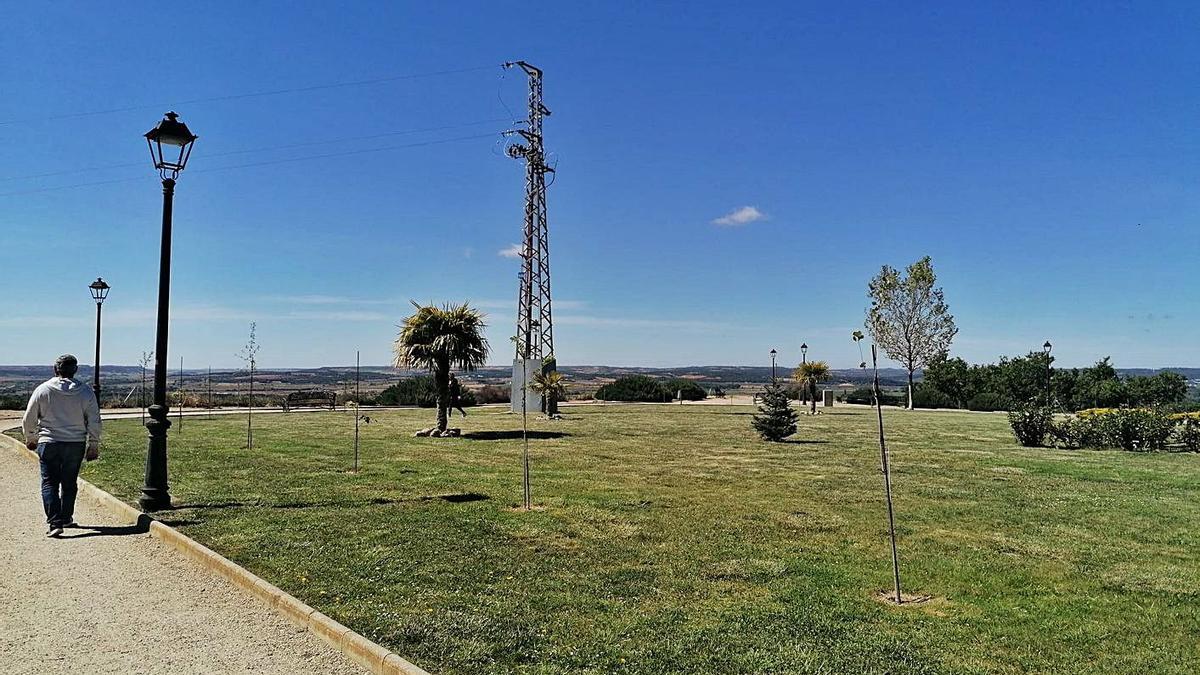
(357, 406)
(887, 475)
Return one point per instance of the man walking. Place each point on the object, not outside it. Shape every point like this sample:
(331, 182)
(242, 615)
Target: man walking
(62, 424)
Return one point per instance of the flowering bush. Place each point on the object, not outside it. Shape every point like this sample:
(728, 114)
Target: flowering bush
(1187, 431)
(1134, 429)
(1030, 424)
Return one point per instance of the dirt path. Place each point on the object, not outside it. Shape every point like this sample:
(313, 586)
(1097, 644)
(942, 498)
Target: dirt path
(105, 600)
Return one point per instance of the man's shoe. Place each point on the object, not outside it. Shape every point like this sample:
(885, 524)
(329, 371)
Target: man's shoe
(71, 524)
(54, 531)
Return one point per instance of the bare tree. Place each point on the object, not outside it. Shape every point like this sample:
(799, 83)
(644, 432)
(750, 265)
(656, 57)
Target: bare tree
(249, 355)
(909, 317)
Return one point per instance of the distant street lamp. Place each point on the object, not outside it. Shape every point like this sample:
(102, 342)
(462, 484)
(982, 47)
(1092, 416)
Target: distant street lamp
(99, 293)
(803, 361)
(170, 146)
(773, 353)
(1046, 348)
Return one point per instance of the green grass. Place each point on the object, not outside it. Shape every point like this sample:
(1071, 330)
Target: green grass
(672, 540)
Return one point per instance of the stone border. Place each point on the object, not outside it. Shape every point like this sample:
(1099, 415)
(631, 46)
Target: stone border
(357, 648)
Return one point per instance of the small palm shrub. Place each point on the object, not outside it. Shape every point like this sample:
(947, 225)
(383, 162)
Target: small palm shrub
(1030, 424)
(776, 420)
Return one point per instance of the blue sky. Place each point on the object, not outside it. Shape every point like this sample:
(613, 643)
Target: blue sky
(1046, 158)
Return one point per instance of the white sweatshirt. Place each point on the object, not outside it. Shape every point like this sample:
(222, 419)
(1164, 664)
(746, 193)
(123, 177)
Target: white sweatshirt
(62, 410)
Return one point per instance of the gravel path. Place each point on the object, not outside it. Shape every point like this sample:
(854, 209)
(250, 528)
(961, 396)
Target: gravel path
(103, 600)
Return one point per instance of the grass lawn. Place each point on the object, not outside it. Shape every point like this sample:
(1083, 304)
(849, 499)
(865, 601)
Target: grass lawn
(670, 539)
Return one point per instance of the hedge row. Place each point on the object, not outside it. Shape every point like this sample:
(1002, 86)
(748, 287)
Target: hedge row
(1133, 429)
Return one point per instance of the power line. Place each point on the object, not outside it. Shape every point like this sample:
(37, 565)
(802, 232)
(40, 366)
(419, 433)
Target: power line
(255, 94)
(384, 134)
(305, 158)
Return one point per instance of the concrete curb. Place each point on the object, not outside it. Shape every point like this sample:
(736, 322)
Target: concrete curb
(357, 648)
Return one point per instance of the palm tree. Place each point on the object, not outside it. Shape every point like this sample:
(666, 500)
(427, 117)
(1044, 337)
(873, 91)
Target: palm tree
(809, 374)
(552, 386)
(440, 338)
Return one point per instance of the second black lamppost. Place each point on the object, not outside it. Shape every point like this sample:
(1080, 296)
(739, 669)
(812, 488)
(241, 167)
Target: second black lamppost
(99, 293)
(1046, 348)
(170, 146)
(773, 353)
(803, 360)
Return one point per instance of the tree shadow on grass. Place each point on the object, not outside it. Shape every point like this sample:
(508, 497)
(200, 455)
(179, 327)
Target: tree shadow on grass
(452, 497)
(511, 435)
(803, 441)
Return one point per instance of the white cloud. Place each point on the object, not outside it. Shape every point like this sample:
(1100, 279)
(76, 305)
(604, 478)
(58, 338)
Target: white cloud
(741, 216)
(513, 251)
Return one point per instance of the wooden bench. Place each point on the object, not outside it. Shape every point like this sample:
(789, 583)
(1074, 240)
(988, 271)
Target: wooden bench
(314, 397)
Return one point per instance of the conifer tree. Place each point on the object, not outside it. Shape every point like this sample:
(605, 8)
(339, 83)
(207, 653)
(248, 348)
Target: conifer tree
(776, 419)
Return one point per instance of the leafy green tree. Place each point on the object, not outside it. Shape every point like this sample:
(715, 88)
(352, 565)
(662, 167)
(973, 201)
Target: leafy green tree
(809, 374)
(1163, 388)
(437, 339)
(952, 378)
(776, 419)
(909, 317)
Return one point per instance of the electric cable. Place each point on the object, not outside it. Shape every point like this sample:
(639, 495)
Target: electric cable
(288, 160)
(255, 94)
(264, 149)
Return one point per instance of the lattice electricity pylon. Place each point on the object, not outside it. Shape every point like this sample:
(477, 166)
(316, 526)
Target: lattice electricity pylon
(535, 323)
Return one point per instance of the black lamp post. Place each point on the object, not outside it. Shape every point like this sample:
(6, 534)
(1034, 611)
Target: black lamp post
(803, 360)
(773, 353)
(99, 293)
(170, 146)
(1046, 348)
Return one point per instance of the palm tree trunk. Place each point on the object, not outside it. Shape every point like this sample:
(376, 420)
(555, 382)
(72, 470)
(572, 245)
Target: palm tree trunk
(812, 386)
(441, 379)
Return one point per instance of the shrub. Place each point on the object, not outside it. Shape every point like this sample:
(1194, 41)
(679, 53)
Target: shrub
(776, 419)
(13, 402)
(490, 393)
(927, 397)
(1187, 433)
(419, 391)
(634, 388)
(1030, 424)
(1135, 429)
(686, 389)
(864, 395)
(987, 402)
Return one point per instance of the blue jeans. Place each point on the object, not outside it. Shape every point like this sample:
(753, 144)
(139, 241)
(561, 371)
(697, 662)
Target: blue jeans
(60, 471)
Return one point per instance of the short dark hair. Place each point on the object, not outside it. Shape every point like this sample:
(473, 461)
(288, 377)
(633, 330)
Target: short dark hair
(66, 366)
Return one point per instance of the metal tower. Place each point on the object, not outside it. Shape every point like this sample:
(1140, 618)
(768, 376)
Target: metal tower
(535, 323)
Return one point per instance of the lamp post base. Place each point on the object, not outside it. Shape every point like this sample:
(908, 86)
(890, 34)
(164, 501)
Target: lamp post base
(156, 494)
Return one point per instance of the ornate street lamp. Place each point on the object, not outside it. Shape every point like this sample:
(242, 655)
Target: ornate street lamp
(99, 293)
(803, 360)
(1046, 349)
(170, 147)
(773, 353)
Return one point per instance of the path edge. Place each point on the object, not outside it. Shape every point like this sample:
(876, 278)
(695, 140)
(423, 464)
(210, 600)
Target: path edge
(364, 652)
